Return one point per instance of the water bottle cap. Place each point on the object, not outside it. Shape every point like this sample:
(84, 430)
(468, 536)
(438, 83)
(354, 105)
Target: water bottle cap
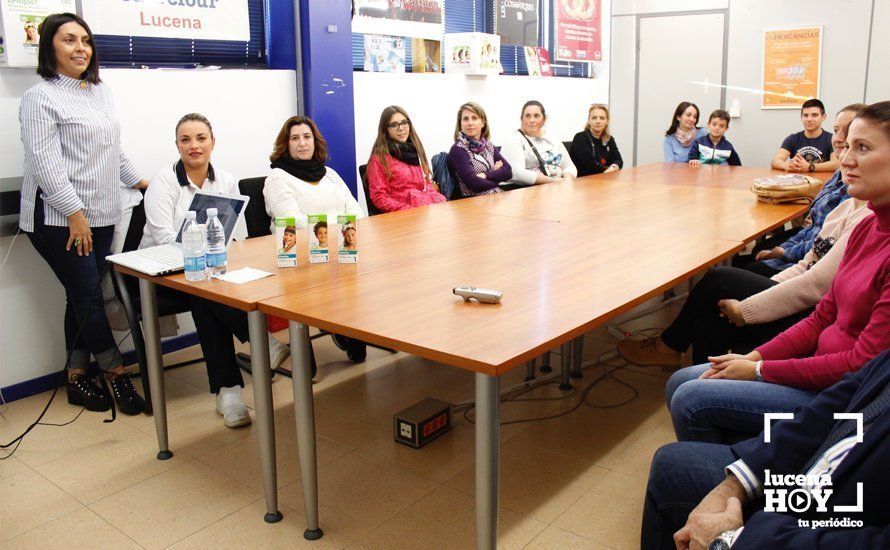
(190, 214)
(211, 212)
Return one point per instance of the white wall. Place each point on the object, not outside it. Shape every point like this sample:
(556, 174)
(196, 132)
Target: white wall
(878, 76)
(758, 133)
(845, 24)
(246, 109)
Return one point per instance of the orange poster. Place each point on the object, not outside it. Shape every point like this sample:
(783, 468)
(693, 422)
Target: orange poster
(792, 61)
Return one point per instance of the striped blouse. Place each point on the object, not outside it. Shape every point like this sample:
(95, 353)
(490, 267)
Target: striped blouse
(73, 154)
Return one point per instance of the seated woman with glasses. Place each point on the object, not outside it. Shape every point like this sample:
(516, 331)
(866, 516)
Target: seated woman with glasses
(398, 172)
(534, 157)
(479, 167)
(594, 150)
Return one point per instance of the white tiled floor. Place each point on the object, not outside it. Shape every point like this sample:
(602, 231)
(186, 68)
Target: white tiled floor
(575, 481)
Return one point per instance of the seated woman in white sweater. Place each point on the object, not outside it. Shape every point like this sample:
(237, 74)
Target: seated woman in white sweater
(300, 184)
(534, 157)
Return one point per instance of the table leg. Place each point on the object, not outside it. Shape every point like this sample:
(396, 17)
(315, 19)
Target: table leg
(577, 355)
(487, 451)
(545, 363)
(565, 352)
(530, 371)
(301, 368)
(262, 397)
(149, 298)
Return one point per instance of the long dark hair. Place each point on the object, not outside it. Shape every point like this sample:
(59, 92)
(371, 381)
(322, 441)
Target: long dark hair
(283, 139)
(381, 149)
(681, 108)
(46, 53)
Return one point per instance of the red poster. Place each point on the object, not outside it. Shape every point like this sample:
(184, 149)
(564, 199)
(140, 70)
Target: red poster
(578, 31)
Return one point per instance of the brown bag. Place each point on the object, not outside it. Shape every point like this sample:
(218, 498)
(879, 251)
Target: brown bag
(787, 188)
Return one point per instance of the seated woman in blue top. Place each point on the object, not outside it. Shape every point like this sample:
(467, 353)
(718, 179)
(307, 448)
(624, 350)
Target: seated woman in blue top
(682, 132)
(478, 166)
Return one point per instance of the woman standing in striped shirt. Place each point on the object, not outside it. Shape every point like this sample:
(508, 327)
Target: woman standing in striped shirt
(70, 200)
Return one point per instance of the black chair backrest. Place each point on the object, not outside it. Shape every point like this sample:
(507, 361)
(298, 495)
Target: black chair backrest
(137, 226)
(259, 224)
(363, 174)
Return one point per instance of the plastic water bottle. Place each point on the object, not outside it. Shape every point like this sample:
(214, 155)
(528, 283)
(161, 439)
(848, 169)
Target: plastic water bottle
(193, 248)
(215, 244)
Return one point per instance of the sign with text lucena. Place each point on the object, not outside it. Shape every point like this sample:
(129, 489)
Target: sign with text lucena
(189, 19)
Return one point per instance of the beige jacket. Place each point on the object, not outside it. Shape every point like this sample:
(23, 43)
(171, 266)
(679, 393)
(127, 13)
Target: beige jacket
(800, 288)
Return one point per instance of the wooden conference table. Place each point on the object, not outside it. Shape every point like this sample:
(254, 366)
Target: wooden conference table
(568, 257)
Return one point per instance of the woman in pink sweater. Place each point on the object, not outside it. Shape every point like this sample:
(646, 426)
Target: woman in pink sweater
(718, 400)
(398, 172)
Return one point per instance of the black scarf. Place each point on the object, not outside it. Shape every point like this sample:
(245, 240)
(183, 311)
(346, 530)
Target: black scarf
(307, 170)
(405, 152)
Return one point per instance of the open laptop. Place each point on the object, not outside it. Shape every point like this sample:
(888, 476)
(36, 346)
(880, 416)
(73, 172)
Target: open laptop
(167, 258)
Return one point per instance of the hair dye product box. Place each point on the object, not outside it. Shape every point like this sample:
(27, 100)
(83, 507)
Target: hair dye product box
(286, 241)
(317, 229)
(347, 239)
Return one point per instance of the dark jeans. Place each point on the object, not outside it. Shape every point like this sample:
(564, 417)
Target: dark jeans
(86, 326)
(216, 324)
(681, 475)
(699, 323)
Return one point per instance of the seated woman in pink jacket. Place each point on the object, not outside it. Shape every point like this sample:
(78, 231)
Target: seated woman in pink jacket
(399, 172)
(727, 397)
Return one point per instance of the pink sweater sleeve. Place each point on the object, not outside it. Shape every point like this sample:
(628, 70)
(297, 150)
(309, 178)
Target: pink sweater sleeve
(380, 188)
(792, 367)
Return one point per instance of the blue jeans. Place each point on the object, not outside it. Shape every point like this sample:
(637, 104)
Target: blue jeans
(681, 475)
(724, 411)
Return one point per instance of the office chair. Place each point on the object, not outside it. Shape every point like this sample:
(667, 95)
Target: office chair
(363, 174)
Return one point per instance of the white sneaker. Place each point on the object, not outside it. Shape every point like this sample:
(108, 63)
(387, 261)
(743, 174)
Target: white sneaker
(278, 353)
(230, 406)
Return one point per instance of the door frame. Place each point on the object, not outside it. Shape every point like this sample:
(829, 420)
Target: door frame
(724, 11)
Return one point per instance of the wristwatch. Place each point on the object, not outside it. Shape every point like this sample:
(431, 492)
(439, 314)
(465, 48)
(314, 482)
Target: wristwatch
(758, 366)
(812, 167)
(723, 540)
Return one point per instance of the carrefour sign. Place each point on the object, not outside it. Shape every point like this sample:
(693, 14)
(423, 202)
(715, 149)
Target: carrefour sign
(192, 19)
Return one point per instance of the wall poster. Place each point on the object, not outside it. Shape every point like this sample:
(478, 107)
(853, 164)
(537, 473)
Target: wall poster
(792, 63)
(19, 23)
(578, 30)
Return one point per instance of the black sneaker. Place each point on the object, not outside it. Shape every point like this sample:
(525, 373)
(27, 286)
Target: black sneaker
(86, 393)
(125, 395)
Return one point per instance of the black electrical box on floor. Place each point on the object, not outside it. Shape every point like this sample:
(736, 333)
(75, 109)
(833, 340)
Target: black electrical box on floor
(422, 422)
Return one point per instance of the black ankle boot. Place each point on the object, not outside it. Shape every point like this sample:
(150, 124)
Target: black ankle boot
(125, 395)
(86, 393)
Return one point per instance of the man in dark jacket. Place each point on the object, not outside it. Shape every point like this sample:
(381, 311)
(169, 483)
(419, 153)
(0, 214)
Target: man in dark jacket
(814, 481)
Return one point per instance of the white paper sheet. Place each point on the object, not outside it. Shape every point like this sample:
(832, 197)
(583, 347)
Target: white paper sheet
(243, 275)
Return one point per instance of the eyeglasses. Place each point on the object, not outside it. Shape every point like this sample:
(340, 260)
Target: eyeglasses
(402, 124)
